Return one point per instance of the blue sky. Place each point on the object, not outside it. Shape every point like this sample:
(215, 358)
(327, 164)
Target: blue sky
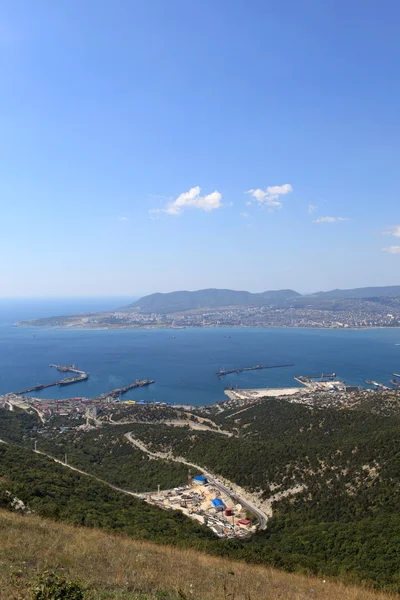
(132, 133)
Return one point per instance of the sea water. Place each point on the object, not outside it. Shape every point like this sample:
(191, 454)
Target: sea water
(183, 362)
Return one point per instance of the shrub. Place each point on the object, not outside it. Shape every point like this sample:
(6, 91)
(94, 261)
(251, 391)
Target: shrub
(53, 586)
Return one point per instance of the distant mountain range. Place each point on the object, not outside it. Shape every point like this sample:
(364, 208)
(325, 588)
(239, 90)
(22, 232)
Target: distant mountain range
(389, 291)
(214, 298)
(211, 298)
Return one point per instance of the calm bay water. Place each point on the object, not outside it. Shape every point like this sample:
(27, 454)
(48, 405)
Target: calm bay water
(184, 367)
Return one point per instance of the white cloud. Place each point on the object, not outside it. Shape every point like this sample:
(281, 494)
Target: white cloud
(244, 215)
(192, 199)
(312, 208)
(330, 219)
(392, 249)
(271, 197)
(123, 219)
(394, 231)
(249, 203)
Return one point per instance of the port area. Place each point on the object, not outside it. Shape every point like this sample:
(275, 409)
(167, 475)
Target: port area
(311, 384)
(89, 407)
(83, 376)
(257, 393)
(205, 503)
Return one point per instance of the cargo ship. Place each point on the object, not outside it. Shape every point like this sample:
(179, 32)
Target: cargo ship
(70, 380)
(377, 384)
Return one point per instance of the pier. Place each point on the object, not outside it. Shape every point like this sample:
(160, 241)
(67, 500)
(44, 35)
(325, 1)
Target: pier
(123, 390)
(42, 386)
(258, 367)
(321, 377)
(80, 376)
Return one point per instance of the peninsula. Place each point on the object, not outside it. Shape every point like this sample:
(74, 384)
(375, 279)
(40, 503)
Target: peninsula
(354, 308)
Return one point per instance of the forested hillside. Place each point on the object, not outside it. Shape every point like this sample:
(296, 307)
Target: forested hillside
(52, 490)
(340, 467)
(331, 476)
(105, 453)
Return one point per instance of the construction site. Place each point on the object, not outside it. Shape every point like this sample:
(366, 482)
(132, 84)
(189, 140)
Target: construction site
(205, 502)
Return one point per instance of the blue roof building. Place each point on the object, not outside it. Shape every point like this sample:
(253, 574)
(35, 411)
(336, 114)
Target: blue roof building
(218, 504)
(199, 479)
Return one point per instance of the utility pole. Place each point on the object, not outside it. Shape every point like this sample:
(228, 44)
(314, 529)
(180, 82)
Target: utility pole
(66, 459)
(158, 489)
(35, 445)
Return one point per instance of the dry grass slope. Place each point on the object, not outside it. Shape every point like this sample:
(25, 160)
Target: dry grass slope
(115, 567)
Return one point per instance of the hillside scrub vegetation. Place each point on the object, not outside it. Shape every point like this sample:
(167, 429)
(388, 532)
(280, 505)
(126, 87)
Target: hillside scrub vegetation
(342, 520)
(110, 567)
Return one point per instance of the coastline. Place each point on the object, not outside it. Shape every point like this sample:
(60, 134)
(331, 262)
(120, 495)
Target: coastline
(84, 327)
(184, 368)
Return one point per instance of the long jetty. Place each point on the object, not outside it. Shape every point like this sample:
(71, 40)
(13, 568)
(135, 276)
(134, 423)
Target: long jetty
(223, 372)
(42, 386)
(123, 390)
(80, 376)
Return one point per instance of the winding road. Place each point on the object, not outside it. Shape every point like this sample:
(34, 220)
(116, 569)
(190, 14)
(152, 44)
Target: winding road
(247, 504)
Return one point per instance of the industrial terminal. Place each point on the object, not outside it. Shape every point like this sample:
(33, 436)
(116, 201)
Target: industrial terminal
(203, 501)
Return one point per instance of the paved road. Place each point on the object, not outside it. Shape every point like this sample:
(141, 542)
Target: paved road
(262, 517)
(172, 423)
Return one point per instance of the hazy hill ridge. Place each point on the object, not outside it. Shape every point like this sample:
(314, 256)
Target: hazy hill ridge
(389, 291)
(209, 298)
(359, 307)
(217, 298)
